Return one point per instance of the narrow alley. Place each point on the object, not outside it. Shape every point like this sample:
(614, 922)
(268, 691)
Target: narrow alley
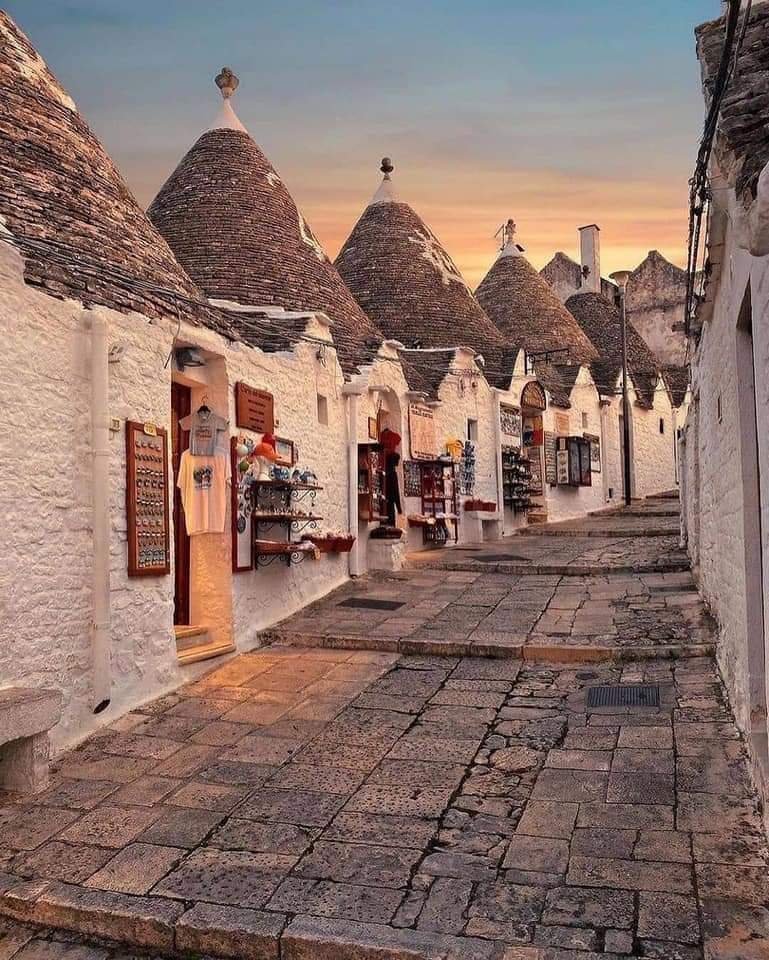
(432, 764)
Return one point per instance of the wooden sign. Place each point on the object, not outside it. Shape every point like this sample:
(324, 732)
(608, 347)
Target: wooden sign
(147, 496)
(510, 423)
(422, 432)
(562, 424)
(533, 395)
(551, 469)
(254, 409)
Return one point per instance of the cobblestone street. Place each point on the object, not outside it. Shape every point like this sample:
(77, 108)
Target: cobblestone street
(317, 802)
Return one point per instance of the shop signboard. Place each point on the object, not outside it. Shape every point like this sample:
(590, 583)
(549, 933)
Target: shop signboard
(533, 395)
(595, 452)
(254, 409)
(510, 425)
(551, 469)
(422, 442)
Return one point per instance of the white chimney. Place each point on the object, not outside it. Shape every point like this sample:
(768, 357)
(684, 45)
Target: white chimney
(590, 254)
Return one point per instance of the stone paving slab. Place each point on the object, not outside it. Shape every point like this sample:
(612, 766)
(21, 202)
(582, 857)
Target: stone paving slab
(491, 827)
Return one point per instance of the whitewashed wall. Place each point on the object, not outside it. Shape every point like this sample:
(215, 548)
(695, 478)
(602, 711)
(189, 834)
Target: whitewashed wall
(653, 452)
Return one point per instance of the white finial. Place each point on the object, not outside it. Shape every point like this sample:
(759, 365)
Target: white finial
(227, 119)
(509, 247)
(386, 192)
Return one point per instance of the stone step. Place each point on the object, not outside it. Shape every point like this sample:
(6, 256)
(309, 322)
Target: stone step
(594, 531)
(515, 568)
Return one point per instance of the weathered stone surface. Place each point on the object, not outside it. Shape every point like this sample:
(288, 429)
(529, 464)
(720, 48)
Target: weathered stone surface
(668, 917)
(176, 829)
(663, 846)
(734, 930)
(383, 830)
(460, 865)
(146, 791)
(24, 828)
(136, 868)
(626, 816)
(589, 907)
(604, 842)
(323, 779)
(570, 785)
(288, 839)
(208, 796)
(541, 854)
(358, 863)
(393, 800)
(505, 911)
(548, 818)
(111, 826)
(445, 908)
(291, 806)
(230, 932)
(69, 862)
(629, 875)
(327, 898)
(230, 877)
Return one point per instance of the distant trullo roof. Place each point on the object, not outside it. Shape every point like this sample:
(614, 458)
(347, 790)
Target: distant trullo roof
(404, 279)
(602, 323)
(526, 310)
(235, 228)
(81, 232)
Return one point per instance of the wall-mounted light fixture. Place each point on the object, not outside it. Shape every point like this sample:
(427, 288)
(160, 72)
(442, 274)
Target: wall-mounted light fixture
(188, 357)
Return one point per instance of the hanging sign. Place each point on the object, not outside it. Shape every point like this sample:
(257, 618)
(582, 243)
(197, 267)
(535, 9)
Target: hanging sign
(422, 432)
(254, 409)
(533, 395)
(510, 424)
(551, 470)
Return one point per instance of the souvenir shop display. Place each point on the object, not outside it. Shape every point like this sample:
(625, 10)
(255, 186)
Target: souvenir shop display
(372, 496)
(516, 480)
(439, 515)
(466, 469)
(203, 472)
(574, 454)
(147, 495)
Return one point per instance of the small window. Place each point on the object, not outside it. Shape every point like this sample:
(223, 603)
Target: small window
(662, 425)
(472, 430)
(584, 421)
(719, 411)
(322, 409)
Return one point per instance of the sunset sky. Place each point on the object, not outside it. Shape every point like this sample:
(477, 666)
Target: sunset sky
(557, 114)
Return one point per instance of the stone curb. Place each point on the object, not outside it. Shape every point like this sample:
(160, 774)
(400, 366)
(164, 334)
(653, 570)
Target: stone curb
(611, 532)
(543, 652)
(551, 569)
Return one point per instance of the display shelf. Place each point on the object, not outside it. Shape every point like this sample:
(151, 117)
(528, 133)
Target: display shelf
(273, 507)
(267, 552)
(439, 501)
(516, 480)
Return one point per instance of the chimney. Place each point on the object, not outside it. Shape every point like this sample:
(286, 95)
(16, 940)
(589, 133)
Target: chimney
(590, 254)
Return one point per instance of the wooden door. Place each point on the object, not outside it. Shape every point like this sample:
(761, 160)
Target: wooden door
(181, 405)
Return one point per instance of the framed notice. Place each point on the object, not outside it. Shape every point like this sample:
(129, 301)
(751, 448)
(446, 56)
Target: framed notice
(562, 424)
(285, 452)
(595, 452)
(254, 409)
(412, 479)
(510, 425)
(562, 465)
(551, 469)
(422, 432)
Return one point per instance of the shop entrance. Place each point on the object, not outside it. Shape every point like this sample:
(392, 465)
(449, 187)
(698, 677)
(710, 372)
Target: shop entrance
(181, 405)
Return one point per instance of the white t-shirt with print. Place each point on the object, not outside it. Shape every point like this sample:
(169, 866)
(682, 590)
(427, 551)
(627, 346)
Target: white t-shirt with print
(203, 485)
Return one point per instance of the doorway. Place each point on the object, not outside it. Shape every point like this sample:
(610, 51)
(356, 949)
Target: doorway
(752, 538)
(181, 405)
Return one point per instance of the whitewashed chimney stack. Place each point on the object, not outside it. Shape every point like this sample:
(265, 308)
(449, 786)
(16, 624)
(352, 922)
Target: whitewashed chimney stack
(590, 254)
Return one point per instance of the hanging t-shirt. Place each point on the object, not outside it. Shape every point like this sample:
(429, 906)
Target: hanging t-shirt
(208, 432)
(203, 485)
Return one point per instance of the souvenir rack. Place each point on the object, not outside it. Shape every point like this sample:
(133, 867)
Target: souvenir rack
(275, 504)
(516, 480)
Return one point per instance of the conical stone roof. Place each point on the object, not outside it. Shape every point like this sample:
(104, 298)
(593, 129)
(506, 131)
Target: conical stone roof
(526, 309)
(235, 228)
(404, 279)
(602, 323)
(65, 206)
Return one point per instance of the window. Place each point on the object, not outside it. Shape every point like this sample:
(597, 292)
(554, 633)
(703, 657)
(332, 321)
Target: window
(719, 411)
(662, 425)
(322, 409)
(584, 421)
(472, 430)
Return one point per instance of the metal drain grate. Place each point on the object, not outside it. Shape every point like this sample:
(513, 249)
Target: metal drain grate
(499, 558)
(371, 603)
(624, 695)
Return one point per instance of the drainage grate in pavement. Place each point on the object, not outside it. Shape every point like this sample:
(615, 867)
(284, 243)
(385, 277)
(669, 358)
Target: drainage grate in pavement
(371, 603)
(499, 558)
(674, 588)
(624, 695)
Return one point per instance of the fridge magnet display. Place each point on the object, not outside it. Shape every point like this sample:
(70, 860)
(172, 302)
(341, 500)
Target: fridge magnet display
(147, 511)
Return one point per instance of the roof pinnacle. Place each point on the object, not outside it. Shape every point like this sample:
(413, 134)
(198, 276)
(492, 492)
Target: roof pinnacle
(227, 82)
(387, 167)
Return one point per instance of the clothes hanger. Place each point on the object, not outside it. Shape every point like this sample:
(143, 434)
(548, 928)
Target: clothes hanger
(204, 408)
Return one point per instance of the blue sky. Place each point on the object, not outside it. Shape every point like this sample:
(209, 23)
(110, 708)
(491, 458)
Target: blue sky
(555, 114)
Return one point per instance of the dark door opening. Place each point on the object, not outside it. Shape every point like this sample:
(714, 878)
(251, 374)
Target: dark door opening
(181, 405)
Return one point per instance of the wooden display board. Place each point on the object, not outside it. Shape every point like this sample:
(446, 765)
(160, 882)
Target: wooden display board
(422, 432)
(510, 424)
(147, 497)
(536, 486)
(254, 409)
